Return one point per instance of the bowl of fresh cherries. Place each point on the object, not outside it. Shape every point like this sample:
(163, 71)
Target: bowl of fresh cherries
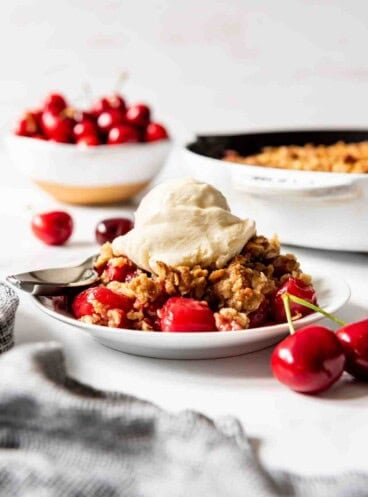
(104, 154)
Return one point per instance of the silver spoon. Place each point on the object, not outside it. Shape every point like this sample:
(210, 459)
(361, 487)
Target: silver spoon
(56, 281)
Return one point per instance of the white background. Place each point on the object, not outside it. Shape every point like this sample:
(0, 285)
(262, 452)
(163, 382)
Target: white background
(204, 65)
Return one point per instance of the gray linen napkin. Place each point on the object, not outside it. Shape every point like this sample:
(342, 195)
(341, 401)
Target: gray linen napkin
(8, 306)
(59, 438)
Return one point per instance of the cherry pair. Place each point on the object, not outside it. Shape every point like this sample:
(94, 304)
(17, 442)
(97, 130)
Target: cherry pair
(56, 227)
(313, 358)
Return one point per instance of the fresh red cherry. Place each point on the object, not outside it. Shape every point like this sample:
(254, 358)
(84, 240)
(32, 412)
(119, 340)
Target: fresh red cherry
(185, 314)
(26, 126)
(155, 132)
(138, 115)
(84, 128)
(108, 119)
(296, 287)
(57, 127)
(55, 103)
(53, 228)
(309, 361)
(354, 340)
(83, 115)
(114, 101)
(83, 303)
(122, 134)
(108, 229)
(91, 140)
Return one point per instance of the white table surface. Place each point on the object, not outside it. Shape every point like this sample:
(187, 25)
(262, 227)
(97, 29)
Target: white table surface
(325, 434)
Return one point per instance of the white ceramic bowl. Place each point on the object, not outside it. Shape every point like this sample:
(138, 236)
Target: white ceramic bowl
(312, 209)
(88, 175)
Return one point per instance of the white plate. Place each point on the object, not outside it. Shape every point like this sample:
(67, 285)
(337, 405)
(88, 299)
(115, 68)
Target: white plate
(332, 294)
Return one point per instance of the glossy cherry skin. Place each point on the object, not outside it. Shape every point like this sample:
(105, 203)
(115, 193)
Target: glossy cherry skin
(55, 102)
(138, 115)
(91, 140)
(108, 119)
(108, 229)
(185, 314)
(26, 126)
(309, 361)
(53, 228)
(83, 128)
(82, 305)
(122, 134)
(298, 288)
(354, 340)
(114, 101)
(155, 132)
(57, 127)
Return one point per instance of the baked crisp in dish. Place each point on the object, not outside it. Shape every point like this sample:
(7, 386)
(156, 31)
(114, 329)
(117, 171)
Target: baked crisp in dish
(340, 157)
(189, 264)
(239, 294)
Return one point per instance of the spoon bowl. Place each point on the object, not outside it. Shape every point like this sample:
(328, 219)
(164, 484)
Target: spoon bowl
(56, 281)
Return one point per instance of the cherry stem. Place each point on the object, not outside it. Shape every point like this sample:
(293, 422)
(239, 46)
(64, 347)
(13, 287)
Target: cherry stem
(313, 307)
(122, 78)
(286, 301)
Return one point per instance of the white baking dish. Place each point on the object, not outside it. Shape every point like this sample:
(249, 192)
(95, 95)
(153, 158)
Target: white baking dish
(310, 209)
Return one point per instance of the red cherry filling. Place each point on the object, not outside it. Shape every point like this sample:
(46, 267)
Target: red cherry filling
(260, 316)
(119, 270)
(185, 314)
(309, 361)
(296, 287)
(83, 302)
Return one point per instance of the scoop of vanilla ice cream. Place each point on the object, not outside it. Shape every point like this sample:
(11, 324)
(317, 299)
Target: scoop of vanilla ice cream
(184, 222)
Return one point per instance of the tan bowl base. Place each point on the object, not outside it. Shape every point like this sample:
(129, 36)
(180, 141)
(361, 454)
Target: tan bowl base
(92, 195)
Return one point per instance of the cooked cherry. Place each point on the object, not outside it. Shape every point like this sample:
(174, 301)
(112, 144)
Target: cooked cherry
(310, 360)
(298, 288)
(122, 134)
(155, 132)
(108, 119)
(354, 340)
(260, 316)
(185, 314)
(121, 273)
(138, 115)
(55, 103)
(108, 229)
(83, 306)
(53, 228)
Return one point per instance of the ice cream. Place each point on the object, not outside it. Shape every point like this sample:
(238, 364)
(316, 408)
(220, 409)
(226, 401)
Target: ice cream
(184, 222)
